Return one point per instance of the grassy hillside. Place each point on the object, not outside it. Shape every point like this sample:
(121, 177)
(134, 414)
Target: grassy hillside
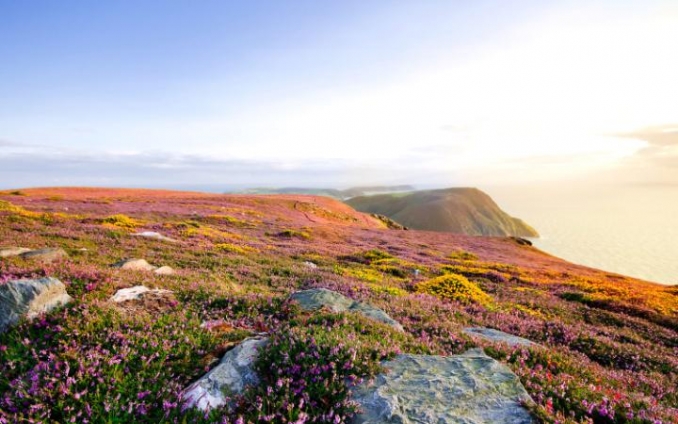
(456, 210)
(608, 354)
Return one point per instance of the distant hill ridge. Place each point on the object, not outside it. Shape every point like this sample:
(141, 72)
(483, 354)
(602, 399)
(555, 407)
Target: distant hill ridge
(332, 192)
(461, 210)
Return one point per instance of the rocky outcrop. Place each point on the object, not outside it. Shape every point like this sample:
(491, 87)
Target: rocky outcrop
(47, 255)
(521, 241)
(164, 270)
(142, 300)
(136, 293)
(6, 252)
(134, 264)
(314, 299)
(154, 235)
(469, 388)
(29, 298)
(143, 265)
(310, 265)
(230, 377)
(493, 335)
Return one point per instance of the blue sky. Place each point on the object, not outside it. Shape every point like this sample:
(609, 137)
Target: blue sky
(339, 93)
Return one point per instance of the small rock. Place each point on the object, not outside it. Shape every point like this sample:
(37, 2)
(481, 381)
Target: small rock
(136, 293)
(134, 264)
(165, 270)
(520, 241)
(154, 235)
(310, 265)
(230, 377)
(498, 336)
(6, 252)
(467, 388)
(30, 298)
(317, 298)
(47, 255)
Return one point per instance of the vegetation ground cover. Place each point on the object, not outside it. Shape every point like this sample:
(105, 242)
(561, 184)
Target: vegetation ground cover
(609, 350)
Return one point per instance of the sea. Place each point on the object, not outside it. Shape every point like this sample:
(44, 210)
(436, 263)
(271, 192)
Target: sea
(626, 229)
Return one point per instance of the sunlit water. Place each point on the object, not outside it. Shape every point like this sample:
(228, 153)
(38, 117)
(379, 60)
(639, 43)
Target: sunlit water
(627, 230)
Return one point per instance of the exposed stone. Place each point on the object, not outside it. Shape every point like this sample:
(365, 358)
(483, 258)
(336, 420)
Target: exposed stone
(154, 235)
(310, 265)
(318, 298)
(46, 255)
(30, 298)
(498, 336)
(6, 252)
(521, 241)
(135, 293)
(134, 264)
(471, 388)
(165, 270)
(230, 377)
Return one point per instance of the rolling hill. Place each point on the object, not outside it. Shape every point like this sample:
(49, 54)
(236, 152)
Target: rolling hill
(456, 210)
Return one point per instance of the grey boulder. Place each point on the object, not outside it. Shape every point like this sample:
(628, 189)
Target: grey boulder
(233, 374)
(471, 388)
(136, 293)
(46, 255)
(6, 252)
(29, 298)
(314, 299)
(493, 335)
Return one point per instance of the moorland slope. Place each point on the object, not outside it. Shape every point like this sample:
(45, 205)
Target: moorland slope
(603, 346)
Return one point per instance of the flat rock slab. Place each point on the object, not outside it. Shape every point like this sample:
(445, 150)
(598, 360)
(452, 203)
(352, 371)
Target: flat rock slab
(314, 299)
(6, 252)
(498, 336)
(154, 235)
(136, 293)
(47, 255)
(29, 298)
(233, 374)
(164, 270)
(134, 264)
(471, 388)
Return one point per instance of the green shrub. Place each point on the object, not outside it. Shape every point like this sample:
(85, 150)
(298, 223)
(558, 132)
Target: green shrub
(294, 234)
(455, 287)
(122, 221)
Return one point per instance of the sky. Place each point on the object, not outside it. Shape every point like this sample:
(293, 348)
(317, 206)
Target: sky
(307, 93)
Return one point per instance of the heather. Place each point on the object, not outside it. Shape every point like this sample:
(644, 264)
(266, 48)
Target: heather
(608, 344)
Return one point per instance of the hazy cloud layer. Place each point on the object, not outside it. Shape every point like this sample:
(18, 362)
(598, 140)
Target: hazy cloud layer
(661, 135)
(152, 169)
(662, 149)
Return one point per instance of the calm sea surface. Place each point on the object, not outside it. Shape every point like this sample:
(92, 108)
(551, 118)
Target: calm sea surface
(627, 230)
